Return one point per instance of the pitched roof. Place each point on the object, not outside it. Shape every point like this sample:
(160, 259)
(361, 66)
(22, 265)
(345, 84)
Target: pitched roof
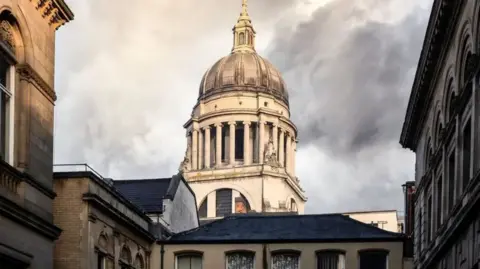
(148, 194)
(286, 228)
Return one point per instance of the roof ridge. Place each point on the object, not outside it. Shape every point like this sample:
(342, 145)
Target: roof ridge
(140, 180)
(282, 216)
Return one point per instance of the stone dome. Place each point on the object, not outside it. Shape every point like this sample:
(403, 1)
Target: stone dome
(243, 71)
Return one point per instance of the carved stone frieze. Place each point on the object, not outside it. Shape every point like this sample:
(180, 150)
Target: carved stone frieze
(55, 11)
(6, 34)
(27, 73)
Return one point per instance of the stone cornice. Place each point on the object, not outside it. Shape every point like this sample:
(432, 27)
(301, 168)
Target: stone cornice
(27, 73)
(443, 18)
(56, 12)
(16, 213)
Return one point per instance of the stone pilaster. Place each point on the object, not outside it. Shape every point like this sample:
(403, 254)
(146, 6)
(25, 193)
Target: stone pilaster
(207, 147)
(194, 149)
(288, 155)
(281, 148)
(261, 142)
(218, 146)
(200, 149)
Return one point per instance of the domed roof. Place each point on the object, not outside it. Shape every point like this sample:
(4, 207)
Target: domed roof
(243, 69)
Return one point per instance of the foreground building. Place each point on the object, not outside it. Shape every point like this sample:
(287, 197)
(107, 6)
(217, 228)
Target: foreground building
(331, 241)
(113, 224)
(442, 127)
(241, 143)
(27, 97)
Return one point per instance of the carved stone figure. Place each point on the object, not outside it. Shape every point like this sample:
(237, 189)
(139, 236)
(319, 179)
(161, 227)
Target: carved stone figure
(270, 157)
(185, 164)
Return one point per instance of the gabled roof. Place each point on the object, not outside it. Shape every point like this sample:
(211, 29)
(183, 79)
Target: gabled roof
(285, 228)
(148, 194)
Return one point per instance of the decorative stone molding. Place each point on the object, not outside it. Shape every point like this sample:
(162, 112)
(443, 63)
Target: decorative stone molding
(56, 12)
(6, 34)
(27, 73)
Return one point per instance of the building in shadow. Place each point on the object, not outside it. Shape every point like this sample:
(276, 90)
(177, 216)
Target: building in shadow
(442, 128)
(27, 98)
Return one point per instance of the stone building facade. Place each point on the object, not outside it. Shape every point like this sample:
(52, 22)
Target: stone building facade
(442, 127)
(27, 97)
(114, 224)
(241, 143)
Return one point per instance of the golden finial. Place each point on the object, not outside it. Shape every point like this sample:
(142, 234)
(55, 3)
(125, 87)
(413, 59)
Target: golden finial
(244, 34)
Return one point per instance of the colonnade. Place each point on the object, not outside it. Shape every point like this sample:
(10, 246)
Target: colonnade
(219, 145)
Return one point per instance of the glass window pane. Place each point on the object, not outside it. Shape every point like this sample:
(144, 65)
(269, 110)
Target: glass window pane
(183, 262)
(285, 261)
(240, 261)
(196, 262)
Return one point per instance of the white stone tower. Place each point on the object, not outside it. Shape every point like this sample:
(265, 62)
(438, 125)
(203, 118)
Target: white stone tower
(241, 143)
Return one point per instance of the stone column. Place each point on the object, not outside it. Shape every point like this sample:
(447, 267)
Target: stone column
(231, 158)
(246, 143)
(288, 153)
(281, 148)
(200, 149)
(275, 138)
(261, 140)
(194, 149)
(218, 147)
(207, 147)
(294, 154)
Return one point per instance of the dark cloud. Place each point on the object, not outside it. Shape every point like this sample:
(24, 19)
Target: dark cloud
(355, 88)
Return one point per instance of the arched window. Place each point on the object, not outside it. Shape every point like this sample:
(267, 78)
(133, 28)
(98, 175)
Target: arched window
(293, 205)
(377, 259)
(330, 259)
(428, 153)
(241, 38)
(285, 259)
(203, 209)
(240, 260)
(438, 129)
(7, 86)
(138, 263)
(188, 260)
(125, 258)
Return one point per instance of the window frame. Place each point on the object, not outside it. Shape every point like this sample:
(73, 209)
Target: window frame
(239, 251)
(340, 252)
(292, 252)
(8, 90)
(187, 253)
(374, 250)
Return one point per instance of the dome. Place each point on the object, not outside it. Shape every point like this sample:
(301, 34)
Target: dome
(243, 71)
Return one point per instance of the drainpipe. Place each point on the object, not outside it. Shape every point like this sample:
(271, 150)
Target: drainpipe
(264, 257)
(162, 254)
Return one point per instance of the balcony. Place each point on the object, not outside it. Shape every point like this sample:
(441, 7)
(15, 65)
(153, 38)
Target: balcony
(10, 180)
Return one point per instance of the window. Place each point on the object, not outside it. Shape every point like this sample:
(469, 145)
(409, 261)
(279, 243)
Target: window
(330, 259)
(125, 258)
(138, 263)
(101, 261)
(451, 180)
(429, 218)
(241, 39)
(240, 260)
(5, 95)
(286, 260)
(373, 259)
(189, 261)
(293, 205)
(239, 139)
(223, 202)
(439, 201)
(202, 211)
(466, 154)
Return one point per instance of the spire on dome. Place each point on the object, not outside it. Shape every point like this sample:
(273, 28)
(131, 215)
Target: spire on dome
(243, 32)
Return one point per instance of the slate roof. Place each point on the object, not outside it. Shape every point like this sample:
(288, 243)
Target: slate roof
(148, 194)
(285, 228)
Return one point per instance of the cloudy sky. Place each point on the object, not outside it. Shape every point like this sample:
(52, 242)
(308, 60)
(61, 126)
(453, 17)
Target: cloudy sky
(127, 76)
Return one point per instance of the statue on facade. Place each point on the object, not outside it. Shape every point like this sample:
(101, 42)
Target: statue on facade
(270, 156)
(185, 164)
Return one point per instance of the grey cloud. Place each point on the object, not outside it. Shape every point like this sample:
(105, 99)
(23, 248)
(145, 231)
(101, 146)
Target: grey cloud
(128, 74)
